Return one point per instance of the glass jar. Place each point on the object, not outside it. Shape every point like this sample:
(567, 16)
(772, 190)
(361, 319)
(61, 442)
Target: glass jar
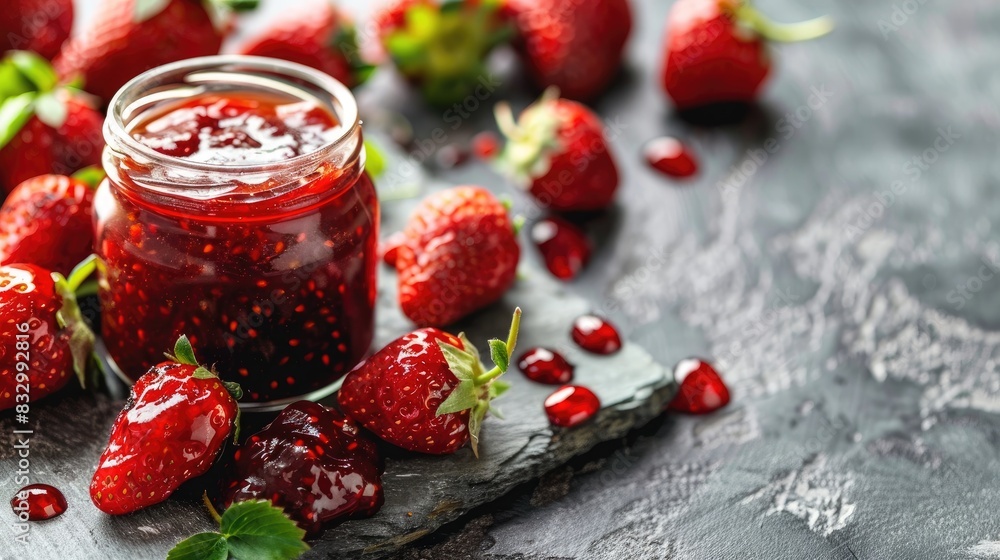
(266, 261)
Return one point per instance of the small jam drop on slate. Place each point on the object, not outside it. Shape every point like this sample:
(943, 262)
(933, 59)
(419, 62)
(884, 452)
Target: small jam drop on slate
(571, 405)
(485, 145)
(545, 366)
(389, 249)
(39, 501)
(701, 389)
(596, 335)
(670, 157)
(564, 247)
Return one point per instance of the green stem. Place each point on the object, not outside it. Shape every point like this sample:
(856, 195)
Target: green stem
(81, 272)
(783, 32)
(211, 509)
(515, 326)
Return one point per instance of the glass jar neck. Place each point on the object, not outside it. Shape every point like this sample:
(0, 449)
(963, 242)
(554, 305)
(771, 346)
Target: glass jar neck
(176, 184)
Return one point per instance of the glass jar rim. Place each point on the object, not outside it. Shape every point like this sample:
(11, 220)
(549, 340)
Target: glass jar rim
(116, 127)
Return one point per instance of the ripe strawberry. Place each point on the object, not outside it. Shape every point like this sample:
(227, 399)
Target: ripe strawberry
(41, 26)
(428, 391)
(43, 128)
(312, 462)
(442, 46)
(557, 150)
(48, 221)
(575, 45)
(178, 418)
(45, 340)
(459, 255)
(316, 34)
(132, 36)
(716, 50)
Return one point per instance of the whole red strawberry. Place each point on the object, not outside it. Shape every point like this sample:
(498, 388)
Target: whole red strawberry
(43, 128)
(428, 391)
(316, 34)
(312, 462)
(41, 26)
(132, 36)
(558, 151)
(48, 221)
(716, 50)
(178, 417)
(575, 45)
(45, 339)
(459, 255)
(442, 45)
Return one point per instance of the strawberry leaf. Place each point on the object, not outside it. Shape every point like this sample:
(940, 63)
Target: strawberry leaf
(462, 363)
(184, 353)
(374, 160)
(36, 69)
(203, 546)
(51, 110)
(91, 176)
(499, 355)
(463, 397)
(256, 530)
(15, 112)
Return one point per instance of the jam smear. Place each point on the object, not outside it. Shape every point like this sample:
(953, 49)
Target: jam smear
(571, 406)
(564, 247)
(597, 335)
(546, 366)
(700, 390)
(670, 157)
(39, 502)
(277, 293)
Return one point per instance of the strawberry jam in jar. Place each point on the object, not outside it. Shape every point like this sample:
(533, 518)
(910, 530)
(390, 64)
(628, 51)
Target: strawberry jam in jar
(237, 211)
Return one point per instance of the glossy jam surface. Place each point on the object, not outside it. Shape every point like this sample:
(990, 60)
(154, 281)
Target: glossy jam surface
(571, 405)
(596, 335)
(226, 130)
(275, 287)
(564, 247)
(38, 502)
(700, 389)
(670, 157)
(545, 366)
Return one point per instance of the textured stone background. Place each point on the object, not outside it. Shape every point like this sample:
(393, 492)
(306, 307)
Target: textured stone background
(865, 380)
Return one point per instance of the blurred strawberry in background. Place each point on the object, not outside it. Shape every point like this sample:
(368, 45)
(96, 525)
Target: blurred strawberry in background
(314, 33)
(442, 47)
(132, 36)
(575, 45)
(44, 128)
(41, 26)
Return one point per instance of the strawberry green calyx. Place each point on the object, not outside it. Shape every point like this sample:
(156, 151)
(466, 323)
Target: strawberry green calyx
(748, 16)
(476, 387)
(345, 41)
(531, 141)
(184, 354)
(29, 87)
(444, 47)
(69, 317)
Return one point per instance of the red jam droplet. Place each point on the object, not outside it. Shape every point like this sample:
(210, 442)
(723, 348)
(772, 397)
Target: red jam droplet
(571, 405)
(564, 247)
(670, 157)
(701, 389)
(485, 145)
(39, 502)
(546, 366)
(596, 335)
